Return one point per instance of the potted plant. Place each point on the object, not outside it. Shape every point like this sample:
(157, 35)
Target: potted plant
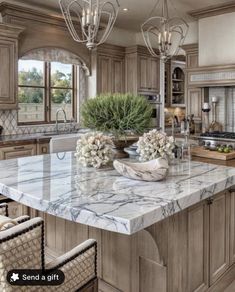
(125, 116)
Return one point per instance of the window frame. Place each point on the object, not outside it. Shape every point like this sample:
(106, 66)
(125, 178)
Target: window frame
(47, 88)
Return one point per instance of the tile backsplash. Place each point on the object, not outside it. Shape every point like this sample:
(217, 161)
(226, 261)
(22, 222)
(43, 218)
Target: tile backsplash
(225, 110)
(8, 120)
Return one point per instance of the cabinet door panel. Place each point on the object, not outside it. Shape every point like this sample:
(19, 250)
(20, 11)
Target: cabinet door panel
(144, 82)
(117, 75)
(154, 74)
(104, 72)
(16, 152)
(195, 102)
(7, 73)
(219, 236)
(232, 230)
(198, 241)
(131, 79)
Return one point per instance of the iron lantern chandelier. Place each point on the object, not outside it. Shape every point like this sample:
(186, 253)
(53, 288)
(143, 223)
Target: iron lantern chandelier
(163, 35)
(90, 21)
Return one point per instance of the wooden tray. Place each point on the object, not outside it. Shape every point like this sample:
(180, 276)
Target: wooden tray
(201, 152)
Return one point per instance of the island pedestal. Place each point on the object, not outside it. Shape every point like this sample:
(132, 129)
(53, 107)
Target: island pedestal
(191, 251)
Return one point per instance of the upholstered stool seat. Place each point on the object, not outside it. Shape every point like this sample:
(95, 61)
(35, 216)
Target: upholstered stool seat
(22, 247)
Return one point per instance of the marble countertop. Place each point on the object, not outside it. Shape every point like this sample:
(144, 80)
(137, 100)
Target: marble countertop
(58, 185)
(8, 140)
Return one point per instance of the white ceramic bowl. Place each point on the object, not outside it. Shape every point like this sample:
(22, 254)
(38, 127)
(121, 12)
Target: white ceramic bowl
(154, 170)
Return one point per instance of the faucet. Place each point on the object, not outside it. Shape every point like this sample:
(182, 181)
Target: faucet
(65, 119)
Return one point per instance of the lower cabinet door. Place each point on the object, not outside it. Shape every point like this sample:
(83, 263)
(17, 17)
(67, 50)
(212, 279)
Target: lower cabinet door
(232, 230)
(198, 243)
(17, 151)
(219, 236)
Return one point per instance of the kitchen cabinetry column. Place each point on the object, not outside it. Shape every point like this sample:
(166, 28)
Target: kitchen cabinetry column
(108, 70)
(194, 95)
(9, 65)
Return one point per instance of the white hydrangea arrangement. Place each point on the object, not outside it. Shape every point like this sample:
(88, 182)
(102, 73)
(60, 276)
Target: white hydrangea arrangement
(155, 144)
(94, 149)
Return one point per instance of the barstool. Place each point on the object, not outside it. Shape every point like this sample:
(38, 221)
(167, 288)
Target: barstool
(22, 247)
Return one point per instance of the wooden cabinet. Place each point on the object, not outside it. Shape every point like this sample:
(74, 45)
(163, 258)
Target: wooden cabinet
(24, 148)
(210, 241)
(110, 69)
(149, 74)
(142, 71)
(17, 151)
(9, 65)
(232, 229)
(104, 75)
(117, 74)
(194, 102)
(198, 247)
(194, 94)
(219, 236)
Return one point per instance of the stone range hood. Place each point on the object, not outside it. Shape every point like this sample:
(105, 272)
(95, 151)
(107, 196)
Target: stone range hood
(211, 76)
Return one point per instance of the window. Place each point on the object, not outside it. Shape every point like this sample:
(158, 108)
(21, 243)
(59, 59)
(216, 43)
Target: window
(43, 88)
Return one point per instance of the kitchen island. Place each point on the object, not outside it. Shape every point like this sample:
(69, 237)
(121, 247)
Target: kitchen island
(176, 235)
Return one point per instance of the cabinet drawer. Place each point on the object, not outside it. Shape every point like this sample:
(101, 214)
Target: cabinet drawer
(17, 151)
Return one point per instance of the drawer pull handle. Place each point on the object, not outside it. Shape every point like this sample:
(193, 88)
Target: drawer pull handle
(19, 148)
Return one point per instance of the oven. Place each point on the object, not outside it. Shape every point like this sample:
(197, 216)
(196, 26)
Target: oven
(155, 102)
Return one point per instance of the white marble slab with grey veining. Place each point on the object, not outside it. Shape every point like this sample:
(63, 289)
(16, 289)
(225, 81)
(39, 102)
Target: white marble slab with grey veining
(58, 185)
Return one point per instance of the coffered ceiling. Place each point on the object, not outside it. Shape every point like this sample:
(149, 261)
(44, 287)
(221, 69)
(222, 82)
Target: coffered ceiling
(138, 10)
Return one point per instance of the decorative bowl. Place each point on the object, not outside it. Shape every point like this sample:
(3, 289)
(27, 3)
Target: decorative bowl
(154, 170)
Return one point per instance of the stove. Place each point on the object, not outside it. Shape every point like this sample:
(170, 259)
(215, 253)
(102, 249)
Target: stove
(215, 139)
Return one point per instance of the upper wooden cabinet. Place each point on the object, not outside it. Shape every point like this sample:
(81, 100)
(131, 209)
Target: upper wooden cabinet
(142, 71)
(8, 65)
(191, 55)
(110, 69)
(194, 102)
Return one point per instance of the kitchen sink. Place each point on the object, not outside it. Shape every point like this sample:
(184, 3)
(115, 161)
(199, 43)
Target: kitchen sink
(62, 141)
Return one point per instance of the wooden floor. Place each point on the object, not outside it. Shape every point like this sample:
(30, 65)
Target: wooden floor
(231, 288)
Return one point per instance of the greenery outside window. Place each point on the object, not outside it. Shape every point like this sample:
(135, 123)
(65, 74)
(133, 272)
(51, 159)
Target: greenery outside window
(43, 88)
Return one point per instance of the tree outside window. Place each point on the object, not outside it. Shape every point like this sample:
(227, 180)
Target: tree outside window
(44, 87)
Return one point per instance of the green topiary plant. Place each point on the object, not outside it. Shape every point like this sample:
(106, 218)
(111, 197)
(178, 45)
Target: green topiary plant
(117, 113)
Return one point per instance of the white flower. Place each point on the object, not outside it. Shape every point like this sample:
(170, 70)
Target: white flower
(94, 149)
(155, 144)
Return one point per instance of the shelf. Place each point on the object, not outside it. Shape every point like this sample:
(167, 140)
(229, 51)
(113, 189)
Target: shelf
(177, 80)
(178, 92)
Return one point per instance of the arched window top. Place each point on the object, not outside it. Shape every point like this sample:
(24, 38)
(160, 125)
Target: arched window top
(53, 55)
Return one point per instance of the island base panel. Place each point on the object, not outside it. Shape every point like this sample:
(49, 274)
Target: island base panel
(173, 255)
